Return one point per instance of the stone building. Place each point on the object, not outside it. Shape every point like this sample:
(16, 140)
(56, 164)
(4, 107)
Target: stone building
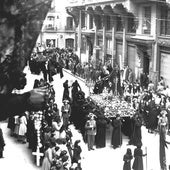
(58, 28)
(127, 32)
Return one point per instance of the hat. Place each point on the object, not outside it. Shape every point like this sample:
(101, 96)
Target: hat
(64, 152)
(57, 148)
(91, 115)
(164, 112)
(65, 101)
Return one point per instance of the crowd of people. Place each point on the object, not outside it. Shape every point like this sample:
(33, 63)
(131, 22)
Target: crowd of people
(151, 104)
(55, 134)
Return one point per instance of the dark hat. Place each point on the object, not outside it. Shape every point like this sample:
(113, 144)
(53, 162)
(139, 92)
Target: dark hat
(64, 152)
(57, 148)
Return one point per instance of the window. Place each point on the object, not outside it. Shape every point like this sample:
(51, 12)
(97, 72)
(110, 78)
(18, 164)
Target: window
(83, 44)
(69, 23)
(119, 24)
(50, 18)
(90, 21)
(50, 42)
(98, 22)
(70, 43)
(82, 20)
(109, 45)
(50, 23)
(131, 25)
(165, 20)
(108, 23)
(147, 20)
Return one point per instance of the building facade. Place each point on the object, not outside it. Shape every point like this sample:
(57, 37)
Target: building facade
(58, 28)
(132, 33)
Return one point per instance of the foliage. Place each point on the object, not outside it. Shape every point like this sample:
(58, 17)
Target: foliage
(20, 25)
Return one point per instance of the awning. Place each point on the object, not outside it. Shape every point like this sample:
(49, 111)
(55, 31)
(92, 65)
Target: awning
(143, 39)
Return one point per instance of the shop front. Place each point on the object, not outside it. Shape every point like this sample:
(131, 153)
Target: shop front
(165, 65)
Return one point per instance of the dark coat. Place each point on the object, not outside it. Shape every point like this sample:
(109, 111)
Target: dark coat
(13, 104)
(66, 91)
(127, 162)
(2, 142)
(138, 162)
(116, 134)
(76, 154)
(101, 133)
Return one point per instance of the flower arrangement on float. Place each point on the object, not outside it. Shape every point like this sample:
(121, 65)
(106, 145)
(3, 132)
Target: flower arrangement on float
(113, 105)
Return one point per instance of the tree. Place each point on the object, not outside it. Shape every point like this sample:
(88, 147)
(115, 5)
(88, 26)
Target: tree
(20, 24)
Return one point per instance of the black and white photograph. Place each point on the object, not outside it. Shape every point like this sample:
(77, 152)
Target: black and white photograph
(85, 84)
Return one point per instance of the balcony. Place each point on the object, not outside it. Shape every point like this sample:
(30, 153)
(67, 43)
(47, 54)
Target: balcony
(50, 29)
(75, 2)
(86, 2)
(69, 29)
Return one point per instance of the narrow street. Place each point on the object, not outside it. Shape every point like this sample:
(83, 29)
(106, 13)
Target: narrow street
(17, 156)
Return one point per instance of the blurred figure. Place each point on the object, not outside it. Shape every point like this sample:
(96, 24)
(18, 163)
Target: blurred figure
(2, 143)
(76, 152)
(116, 139)
(138, 154)
(90, 127)
(127, 160)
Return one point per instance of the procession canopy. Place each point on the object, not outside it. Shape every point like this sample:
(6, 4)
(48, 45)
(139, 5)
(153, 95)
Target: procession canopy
(20, 24)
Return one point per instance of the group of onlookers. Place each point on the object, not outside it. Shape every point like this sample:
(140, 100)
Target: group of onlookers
(60, 152)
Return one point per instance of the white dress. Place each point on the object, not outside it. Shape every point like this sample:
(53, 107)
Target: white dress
(22, 126)
(57, 127)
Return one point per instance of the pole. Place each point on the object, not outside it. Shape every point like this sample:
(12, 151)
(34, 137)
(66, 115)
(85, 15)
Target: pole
(146, 158)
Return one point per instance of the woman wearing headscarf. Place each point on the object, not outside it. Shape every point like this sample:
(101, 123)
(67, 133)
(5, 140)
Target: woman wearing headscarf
(66, 91)
(76, 152)
(127, 159)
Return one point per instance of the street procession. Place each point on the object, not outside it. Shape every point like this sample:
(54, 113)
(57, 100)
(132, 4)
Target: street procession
(85, 85)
